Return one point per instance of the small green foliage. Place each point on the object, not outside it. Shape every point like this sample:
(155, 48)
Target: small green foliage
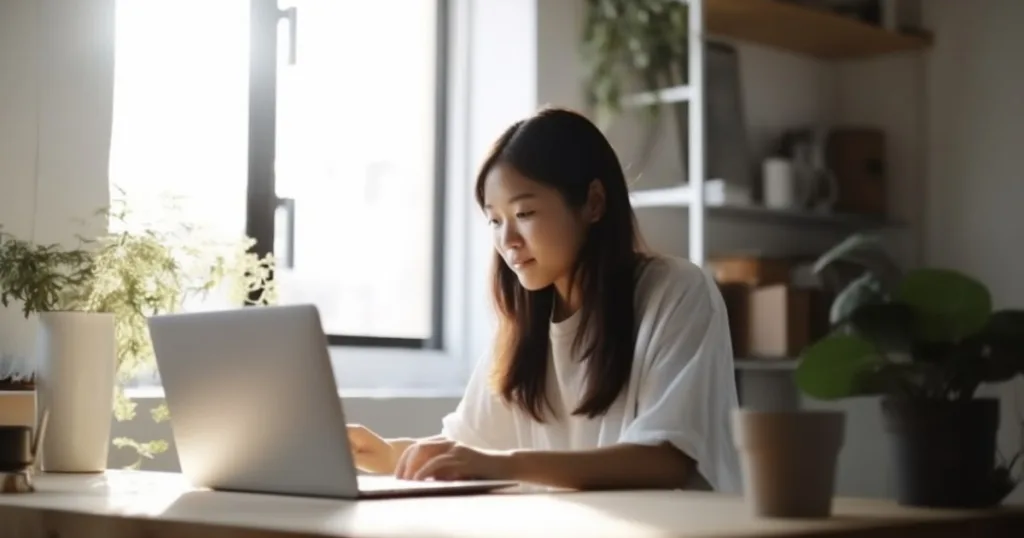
(145, 451)
(141, 267)
(627, 41)
(160, 413)
(38, 275)
(848, 360)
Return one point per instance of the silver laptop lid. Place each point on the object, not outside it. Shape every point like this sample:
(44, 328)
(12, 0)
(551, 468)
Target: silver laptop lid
(253, 401)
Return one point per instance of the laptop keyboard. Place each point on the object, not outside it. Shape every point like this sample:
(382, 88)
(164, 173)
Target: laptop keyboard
(387, 483)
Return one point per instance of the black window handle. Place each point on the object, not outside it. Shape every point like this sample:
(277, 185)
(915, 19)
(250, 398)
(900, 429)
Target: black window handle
(289, 208)
(292, 14)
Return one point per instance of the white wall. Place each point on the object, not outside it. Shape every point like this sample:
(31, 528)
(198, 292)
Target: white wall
(56, 99)
(975, 182)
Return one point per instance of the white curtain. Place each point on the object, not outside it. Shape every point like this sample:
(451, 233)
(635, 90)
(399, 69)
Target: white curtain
(56, 99)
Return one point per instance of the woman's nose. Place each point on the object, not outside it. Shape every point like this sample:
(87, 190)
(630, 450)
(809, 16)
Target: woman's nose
(510, 237)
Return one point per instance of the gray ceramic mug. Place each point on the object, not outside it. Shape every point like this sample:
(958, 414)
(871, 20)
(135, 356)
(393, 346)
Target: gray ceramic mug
(789, 460)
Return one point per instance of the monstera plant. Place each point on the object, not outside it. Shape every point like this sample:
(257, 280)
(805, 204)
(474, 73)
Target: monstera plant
(925, 340)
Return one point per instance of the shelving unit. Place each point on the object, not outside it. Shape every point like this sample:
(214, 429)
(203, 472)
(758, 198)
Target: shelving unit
(804, 30)
(776, 24)
(679, 198)
(780, 25)
(766, 364)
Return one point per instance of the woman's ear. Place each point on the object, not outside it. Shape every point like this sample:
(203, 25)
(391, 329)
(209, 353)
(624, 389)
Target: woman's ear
(596, 201)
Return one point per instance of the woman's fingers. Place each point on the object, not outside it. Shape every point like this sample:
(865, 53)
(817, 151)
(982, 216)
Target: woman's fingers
(403, 461)
(416, 456)
(443, 467)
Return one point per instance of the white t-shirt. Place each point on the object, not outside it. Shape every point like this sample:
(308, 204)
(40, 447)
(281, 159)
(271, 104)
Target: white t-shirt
(681, 390)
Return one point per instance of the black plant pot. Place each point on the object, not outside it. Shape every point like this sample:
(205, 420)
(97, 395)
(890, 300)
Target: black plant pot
(944, 451)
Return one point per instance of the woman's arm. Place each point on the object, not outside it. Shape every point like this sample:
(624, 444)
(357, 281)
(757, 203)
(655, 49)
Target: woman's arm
(401, 444)
(619, 466)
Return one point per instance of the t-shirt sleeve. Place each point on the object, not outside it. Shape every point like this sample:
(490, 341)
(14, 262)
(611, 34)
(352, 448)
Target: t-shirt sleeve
(687, 389)
(482, 419)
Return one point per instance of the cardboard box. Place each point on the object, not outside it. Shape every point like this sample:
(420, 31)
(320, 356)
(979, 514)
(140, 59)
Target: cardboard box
(18, 408)
(782, 320)
(779, 321)
(857, 158)
(751, 270)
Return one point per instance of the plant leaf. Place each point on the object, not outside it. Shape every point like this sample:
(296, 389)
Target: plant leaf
(160, 413)
(1003, 339)
(863, 250)
(889, 325)
(837, 366)
(864, 290)
(948, 305)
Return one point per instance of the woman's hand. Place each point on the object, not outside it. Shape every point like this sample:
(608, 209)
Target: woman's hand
(371, 452)
(446, 460)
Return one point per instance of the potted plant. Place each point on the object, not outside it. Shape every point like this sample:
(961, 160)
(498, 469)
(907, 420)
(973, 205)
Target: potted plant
(146, 267)
(924, 340)
(75, 350)
(632, 44)
(135, 270)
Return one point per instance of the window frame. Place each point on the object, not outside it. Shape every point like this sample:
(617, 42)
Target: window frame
(489, 85)
(262, 201)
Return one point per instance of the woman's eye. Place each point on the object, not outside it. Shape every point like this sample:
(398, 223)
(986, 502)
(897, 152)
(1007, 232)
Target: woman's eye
(524, 214)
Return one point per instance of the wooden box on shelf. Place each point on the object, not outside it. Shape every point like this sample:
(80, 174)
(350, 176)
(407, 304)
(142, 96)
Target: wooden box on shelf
(774, 321)
(782, 320)
(857, 158)
(750, 270)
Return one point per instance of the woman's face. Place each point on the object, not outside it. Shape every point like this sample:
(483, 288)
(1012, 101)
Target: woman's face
(534, 230)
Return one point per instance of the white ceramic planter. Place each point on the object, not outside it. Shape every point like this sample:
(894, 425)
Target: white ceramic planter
(76, 354)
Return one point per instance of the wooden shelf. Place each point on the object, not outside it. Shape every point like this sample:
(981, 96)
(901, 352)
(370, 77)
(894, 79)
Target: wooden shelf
(675, 94)
(781, 364)
(678, 197)
(804, 30)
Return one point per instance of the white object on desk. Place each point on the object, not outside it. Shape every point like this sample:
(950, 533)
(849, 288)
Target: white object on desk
(77, 358)
(242, 439)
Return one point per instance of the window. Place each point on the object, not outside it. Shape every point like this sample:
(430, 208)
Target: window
(346, 147)
(315, 126)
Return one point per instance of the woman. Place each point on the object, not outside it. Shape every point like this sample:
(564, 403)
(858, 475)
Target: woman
(611, 368)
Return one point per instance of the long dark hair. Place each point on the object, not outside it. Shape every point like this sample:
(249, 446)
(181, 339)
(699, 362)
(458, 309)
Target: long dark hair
(563, 149)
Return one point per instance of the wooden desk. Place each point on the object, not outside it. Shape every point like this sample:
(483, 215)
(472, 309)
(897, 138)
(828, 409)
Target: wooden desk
(156, 505)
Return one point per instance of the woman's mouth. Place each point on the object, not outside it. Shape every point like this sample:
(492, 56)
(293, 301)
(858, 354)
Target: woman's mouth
(519, 264)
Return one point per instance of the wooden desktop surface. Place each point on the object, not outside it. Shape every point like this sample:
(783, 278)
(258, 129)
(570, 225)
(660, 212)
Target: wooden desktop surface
(122, 504)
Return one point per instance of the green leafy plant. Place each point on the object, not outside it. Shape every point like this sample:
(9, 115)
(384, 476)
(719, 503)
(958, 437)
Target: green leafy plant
(926, 335)
(34, 276)
(38, 276)
(632, 43)
(139, 268)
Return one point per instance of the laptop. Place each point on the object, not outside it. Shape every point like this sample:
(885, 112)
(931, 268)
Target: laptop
(255, 408)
